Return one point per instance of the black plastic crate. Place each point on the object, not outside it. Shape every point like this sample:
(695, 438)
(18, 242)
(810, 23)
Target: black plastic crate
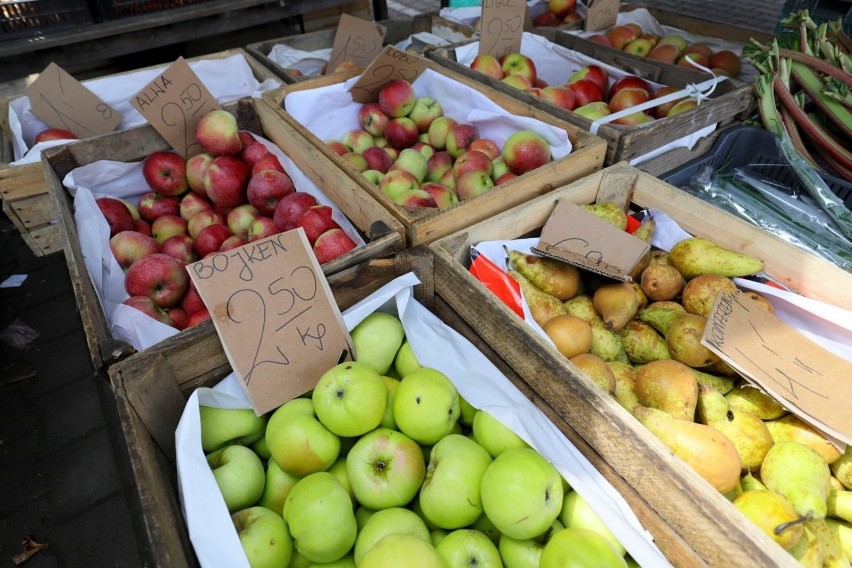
(115, 9)
(26, 18)
(751, 146)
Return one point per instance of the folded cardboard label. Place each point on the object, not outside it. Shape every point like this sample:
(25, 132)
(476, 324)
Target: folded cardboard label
(61, 101)
(356, 41)
(502, 26)
(580, 238)
(805, 378)
(173, 103)
(601, 15)
(390, 65)
(275, 314)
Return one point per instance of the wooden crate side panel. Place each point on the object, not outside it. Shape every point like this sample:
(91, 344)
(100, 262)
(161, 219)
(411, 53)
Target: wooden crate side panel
(707, 28)
(686, 501)
(35, 211)
(21, 182)
(46, 238)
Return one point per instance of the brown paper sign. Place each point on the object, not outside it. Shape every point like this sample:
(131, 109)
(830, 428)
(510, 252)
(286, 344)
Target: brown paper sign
(390, 65)
(808, 380)
(575, 236)
(359, 41)
(501, 26)
(601, 15)
(273, 309)
(61, 101)
(173, 103)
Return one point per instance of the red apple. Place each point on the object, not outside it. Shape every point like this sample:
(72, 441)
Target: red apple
(459, 139)
(261, 228)
(635, 119)
(359, 140)
(401, 132)
(147, 306)
(486, 146)
(159, 277)
(472, 161)
(662, 110)
(152, 205)
(563, 97)
(246, 138)
(177, 317)
(682, 106)
(196, 318)
(415, 199)
(195, 168)
(600, 39)
(439, 163)
(129, 246)
(218, 134)
(438, 131)
(253, 152)
(240, 218)
(54, 134)
(290, 209)
(180, 248)
(640, 47)
(118, 216)
(626, 98)
(665, 53)
(377, 159)
(332, 244)
(338, 147)
(355, 161)
(561, 8)
(619, 36)
(225, 181)
(519, 82)
(266, 188)
(546, 19)
(202, 220)
(488, 64)
(268, 162)
(373, 119)
(524, 150)
(233, 242)
(505, 178)
(629, 82)
(699, 48)
(424, 111)
(210, 239)
(168, 226)
(443, 196)
(594, 110)
(192, 204)
(473, 183)
(698, 58)
(192, 301)
(397, 98)
(728, 61)
(594, 73)
(519, 64)
(315, 221)
(585, 91)
(165, 172)
(142, 226)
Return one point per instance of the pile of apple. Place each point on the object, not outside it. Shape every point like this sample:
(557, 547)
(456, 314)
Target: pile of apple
(420, 158)
(587, 91)
(233, 193)
(375, 471)
(558, 12)
(672, 48)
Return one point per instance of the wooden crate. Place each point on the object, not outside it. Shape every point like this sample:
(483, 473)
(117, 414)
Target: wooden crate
(151, 390)
(425, 225)
(397, 30)
(729, 100)
(693, 508)
(383, 234)
(24, 190)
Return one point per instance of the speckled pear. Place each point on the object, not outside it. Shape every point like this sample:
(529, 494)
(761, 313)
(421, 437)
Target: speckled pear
(697, 255)
(801, 475)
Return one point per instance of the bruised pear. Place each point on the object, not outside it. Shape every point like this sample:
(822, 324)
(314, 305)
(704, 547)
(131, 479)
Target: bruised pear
(609, 212)
(750, 398)
(543, 306)
(642, 343)
(695, 256)
(559, 279)
(617, 303)
(700, 293)
(668, 386)
(792, 428)
(703, 448)
(683, 337)
(597, 370)
(625, 384)
(661, 282)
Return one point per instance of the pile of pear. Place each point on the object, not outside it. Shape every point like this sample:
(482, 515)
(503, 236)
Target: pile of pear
(640, 341)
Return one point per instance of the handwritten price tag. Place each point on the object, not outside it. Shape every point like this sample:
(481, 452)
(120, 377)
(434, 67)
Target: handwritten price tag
(358, 41)
(601, 15)
(812, 382)
(173, 103)
(275, 314)
(61, 101)
(501, 26)
(390, 65)
(575, 236)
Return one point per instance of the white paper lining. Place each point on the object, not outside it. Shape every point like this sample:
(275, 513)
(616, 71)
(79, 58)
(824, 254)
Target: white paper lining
(125, 180)
(228, 79)
(477, 380)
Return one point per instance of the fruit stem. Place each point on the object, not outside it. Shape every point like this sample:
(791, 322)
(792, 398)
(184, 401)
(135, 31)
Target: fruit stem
(784, 526)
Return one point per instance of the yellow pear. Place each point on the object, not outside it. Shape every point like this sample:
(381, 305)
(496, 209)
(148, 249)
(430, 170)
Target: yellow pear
(839, 505)
(606, 343)
(668, 386)
(660, 318)
(750, 398)
(642, 343)
(570, 335)
(842, 468)
(809, 550)
(749, 482)
(661, 282)
(791, 427)
(801, 475)
(581, 306)
(646, 230)
(667, 304)
(596, 369)
(842, 532)
(617, 303)
(834, 555)
(721, 384)
(542, 306)
(771, 511)
(697, 255)
(659, 257)
(625, 384)
(553, 277)
(700, 293)
(683, 337)
(609, 212)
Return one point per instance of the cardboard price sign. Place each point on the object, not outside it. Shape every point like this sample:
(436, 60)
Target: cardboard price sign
(601, 15)
(61, 101)
(808, 380)
(273, 309)
(358, 41)
(173, 103)
(580, 238)
(390, 65)
(501, 26)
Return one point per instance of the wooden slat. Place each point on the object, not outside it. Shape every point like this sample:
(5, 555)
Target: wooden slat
(35, 211)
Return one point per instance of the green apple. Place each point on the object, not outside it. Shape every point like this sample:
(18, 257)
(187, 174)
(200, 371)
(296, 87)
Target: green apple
(402, 551)
(581, 548)
(388, 521)
(426, 406)
(466, 548)
(466, 412)
(299, 561)
(525, 553)
(387, 420)
(405, 361)
(437, 535)
(350, 399)
(298, 442)
(338, 470)
(278, 485)
(385, 469)
(347, 561)
(484, 525)
(239, 475)
(225, 426)
(260, 448)
(415, 506)
(492, 435)
(450, 495)
(362, 515)
(264, 536)
(376, 340)
(521, 493)
(576, 514)
(320, 516)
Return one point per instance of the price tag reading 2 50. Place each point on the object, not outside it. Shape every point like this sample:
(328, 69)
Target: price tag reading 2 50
(501, 26)
(275, 315)
(173, 103)
(390, 65)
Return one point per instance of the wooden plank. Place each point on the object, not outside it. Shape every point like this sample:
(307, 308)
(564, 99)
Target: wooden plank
(35, 211)
(47, 238)
(425, 225)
